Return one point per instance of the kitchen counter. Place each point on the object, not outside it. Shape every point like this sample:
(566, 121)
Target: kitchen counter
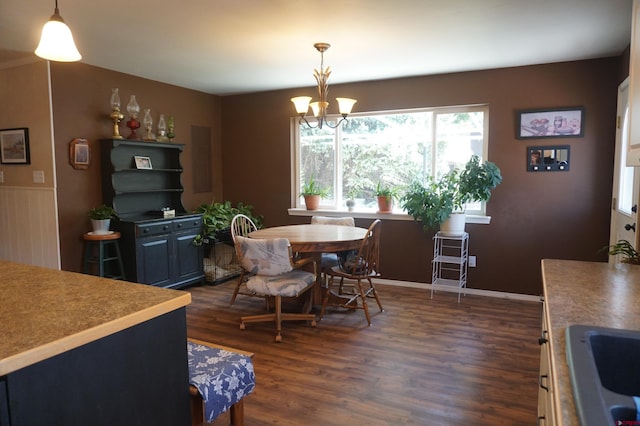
(55, 324)
(589, 293)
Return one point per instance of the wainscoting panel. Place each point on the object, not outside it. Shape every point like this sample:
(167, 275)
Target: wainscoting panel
(29, 226)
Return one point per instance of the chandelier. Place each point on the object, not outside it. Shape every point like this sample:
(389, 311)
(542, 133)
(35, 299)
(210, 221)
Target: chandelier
(302, 103)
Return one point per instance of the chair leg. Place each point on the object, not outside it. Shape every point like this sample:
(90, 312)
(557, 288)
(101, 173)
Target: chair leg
(278, 319)
(237, 289)
(365, 306)
(375, 294)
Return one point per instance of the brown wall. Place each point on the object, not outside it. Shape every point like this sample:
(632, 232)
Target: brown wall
(552, 215)
(534, 215)
(30, 83)
(81, 107)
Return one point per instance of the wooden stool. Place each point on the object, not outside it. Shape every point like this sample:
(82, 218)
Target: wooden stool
(108, 252)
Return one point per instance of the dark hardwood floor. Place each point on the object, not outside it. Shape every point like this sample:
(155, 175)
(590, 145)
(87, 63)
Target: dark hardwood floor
(422, 362)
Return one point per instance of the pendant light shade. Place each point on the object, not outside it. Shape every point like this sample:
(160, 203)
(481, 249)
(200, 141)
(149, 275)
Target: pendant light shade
(56, 43)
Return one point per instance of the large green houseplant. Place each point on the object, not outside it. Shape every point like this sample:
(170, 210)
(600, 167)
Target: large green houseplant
(217, 217)
(438, 199)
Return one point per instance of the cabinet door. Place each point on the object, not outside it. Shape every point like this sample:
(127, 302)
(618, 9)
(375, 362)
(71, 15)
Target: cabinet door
(188, 257)
(154, 260)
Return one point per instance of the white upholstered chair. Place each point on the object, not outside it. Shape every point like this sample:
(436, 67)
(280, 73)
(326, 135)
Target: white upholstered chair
(272, 273)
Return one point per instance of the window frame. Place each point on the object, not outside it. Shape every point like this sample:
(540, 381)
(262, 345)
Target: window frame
(298, 208)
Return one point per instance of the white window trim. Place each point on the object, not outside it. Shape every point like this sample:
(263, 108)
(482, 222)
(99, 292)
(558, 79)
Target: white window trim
(397, 214)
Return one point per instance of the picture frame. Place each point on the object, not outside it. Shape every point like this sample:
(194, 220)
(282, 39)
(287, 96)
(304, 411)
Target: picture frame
(550, 123)
(14, 146)
(79, 154)
(555, 158)
(142, 163)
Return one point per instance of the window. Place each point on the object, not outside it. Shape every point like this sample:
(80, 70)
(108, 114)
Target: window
(394, 147)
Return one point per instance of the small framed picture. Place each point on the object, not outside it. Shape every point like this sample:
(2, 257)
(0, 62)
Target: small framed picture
(551, 123)
(14, 146)
(79, 154)
(142, 162)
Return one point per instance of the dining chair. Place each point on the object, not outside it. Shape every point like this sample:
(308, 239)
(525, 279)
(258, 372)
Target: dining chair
(361, 268)
(274, 274)
(329, 260)
(241, 226)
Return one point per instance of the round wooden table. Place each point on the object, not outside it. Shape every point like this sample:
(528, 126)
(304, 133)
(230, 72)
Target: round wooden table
(315, 238)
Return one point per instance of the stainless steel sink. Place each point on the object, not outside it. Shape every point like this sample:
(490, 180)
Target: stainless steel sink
(604, 365)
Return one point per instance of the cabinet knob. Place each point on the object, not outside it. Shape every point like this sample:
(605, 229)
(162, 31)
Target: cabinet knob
(179, 225)
(165, 227)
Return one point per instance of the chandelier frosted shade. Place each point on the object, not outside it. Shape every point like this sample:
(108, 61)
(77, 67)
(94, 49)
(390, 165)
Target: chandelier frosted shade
(319, 108)
(345, 105)
(56, 42)
(301, 104)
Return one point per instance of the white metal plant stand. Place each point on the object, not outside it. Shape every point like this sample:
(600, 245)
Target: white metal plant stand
(450, 262)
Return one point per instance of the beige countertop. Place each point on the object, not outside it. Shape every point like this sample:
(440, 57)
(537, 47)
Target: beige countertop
(45, 312)
(589, 293)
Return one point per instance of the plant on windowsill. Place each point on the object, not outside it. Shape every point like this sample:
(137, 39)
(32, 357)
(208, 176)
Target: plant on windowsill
(441, 201)
(386, 195)
(216, 220)
(312, 193)
(101, 218)
(626, 250)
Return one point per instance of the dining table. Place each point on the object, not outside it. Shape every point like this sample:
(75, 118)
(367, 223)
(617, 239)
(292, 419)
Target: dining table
(315, 239)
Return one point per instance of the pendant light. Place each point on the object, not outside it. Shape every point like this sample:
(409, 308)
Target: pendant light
(56, 42)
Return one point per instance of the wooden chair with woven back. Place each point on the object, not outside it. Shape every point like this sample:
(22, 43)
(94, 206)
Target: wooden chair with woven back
(360, 267)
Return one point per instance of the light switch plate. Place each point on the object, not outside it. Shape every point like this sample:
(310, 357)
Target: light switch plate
(38, 176)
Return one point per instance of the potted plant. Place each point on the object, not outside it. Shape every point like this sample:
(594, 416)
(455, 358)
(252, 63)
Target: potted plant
(101, 218)
(217, 217)
(385, 194)
(626, 250)
(436, 202)
(312, 193)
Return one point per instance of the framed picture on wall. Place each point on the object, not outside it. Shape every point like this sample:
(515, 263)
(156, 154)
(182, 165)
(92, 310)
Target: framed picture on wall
(14, 146)
(550, 123)
(79, 154)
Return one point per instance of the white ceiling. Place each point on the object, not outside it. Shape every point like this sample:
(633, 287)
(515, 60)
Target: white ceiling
(236, 46)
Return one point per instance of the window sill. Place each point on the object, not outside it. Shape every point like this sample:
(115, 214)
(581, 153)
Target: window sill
(396, 215)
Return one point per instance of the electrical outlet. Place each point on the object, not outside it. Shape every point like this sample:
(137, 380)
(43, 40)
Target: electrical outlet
(472, 261)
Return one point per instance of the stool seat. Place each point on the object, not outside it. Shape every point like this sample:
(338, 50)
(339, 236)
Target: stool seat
(90, 236)
(104, 251)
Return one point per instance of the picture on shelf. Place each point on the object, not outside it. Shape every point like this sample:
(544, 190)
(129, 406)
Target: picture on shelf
(142, 162)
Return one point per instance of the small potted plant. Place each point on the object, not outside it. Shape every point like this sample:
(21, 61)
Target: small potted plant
(101, 218)
(312, 193)
(441, 202)
(385, 194)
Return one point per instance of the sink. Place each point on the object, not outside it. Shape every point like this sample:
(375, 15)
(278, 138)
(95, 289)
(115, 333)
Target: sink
(604, 364)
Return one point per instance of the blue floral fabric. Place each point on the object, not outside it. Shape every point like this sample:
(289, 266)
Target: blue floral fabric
(222, 377)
